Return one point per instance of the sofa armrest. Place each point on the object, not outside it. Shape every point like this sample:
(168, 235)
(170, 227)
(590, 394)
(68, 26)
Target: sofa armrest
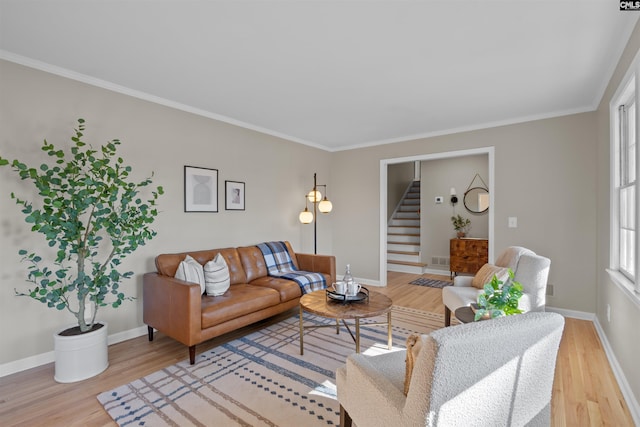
(364, 379)
(173, 307)
(318, 264)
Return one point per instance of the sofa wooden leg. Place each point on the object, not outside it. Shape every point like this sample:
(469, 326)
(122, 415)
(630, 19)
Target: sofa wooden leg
(447, 316)
(192, 354)
(345, 418)
(150, 332)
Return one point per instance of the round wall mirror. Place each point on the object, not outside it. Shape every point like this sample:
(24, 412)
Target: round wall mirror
(476, 199)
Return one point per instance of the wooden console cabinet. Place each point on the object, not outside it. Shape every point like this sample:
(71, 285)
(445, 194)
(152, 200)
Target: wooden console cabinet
(467, 255)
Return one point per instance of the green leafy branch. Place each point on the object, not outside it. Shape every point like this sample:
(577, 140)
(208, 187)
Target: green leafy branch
(499, 299)
(93, 216)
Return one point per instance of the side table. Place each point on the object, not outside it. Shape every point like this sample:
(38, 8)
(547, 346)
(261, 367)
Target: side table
(464, 314)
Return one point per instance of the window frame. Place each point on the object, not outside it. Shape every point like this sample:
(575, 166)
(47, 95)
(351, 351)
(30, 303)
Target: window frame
(627, 94)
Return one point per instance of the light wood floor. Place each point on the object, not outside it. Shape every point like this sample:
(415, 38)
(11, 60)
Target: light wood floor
(585, 390)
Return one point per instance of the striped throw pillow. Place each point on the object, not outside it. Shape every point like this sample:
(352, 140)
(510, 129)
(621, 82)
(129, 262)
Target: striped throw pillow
(216, 276)
(190, 270)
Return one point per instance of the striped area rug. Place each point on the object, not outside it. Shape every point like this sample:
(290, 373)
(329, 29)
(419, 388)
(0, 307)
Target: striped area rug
(260, 379)
(432, 283)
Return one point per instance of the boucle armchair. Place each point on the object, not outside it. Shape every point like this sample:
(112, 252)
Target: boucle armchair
(529, 269)
(496, 372)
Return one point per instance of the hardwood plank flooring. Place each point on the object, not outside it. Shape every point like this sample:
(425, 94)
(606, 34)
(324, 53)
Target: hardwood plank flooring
(585, 390)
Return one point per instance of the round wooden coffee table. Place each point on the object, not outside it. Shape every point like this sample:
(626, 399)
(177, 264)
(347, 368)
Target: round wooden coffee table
(318, 303)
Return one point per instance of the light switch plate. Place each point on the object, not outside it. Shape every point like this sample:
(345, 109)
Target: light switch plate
(439, 200)
(513, 222)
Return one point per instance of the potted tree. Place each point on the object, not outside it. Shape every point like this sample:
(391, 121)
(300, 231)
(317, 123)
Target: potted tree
(92, 216)
(461, 225)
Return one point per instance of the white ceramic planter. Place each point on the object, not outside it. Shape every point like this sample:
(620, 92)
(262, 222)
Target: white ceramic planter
(80, 357)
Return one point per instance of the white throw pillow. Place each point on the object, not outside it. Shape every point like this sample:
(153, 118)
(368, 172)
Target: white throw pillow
(190, 270)
(216, 276)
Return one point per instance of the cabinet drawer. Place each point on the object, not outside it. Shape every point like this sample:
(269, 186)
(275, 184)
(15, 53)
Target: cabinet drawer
(468, 255)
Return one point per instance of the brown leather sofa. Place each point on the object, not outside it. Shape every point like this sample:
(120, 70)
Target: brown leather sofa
(177, 309)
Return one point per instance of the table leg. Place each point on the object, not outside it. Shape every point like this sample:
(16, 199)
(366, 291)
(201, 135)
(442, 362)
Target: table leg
(301, 333)
(337, 326)
(389, 329)
(357, 335)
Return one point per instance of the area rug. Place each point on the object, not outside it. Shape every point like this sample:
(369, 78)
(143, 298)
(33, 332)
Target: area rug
(433, 283)
(260, 379)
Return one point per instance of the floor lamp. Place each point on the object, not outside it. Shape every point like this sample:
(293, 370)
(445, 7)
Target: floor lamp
(319, 204)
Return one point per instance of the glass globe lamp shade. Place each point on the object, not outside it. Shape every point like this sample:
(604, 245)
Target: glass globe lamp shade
(305, 216)
(314, 196)
(325, 206)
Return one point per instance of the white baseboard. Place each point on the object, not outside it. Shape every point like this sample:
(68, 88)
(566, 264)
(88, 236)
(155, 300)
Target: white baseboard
(49, 357)
(625, 388)
(574, 314)
(437, 272)
(368, 282)
(127, 335)
(26, 363)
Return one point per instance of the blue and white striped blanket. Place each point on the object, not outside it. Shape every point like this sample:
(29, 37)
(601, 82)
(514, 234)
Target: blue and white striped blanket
(280, 264)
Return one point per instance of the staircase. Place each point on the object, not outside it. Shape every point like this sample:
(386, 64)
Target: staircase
(403, 234)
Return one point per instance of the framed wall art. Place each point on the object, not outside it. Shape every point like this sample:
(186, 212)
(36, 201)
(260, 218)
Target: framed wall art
(200, 189)
(234, 195)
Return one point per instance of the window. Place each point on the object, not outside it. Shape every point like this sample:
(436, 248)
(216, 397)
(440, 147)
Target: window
(627, 188)
(624, 200)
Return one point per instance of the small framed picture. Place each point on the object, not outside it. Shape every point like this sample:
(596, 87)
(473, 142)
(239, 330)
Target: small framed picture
(200, 189)
(234, 195)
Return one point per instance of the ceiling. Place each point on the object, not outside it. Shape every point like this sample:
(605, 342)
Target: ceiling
(332, 74)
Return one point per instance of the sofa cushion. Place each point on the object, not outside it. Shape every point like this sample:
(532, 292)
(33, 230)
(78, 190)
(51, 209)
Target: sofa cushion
(252, 262)
(288, 289)
(190, 270)
(239, 300)
(486, 273)
(216, 276)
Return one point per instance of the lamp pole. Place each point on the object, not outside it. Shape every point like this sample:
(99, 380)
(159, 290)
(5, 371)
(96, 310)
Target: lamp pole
(315, 215)
(319, 205)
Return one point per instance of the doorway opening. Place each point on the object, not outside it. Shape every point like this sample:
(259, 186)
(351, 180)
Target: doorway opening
(384, 163)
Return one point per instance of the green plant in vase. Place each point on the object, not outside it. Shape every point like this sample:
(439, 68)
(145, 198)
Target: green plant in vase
(461, 225)
(499, 299)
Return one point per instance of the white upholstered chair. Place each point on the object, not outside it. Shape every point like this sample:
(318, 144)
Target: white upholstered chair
(530, 270)
(497, 372)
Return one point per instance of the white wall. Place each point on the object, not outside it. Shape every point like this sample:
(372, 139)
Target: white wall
(438, 176)
(35, 105)
(398, 179)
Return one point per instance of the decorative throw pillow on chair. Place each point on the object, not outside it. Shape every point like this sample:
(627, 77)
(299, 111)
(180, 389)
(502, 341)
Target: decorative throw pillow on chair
(190, 270)
(216, 276)
(486, 273)
(414, 345)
